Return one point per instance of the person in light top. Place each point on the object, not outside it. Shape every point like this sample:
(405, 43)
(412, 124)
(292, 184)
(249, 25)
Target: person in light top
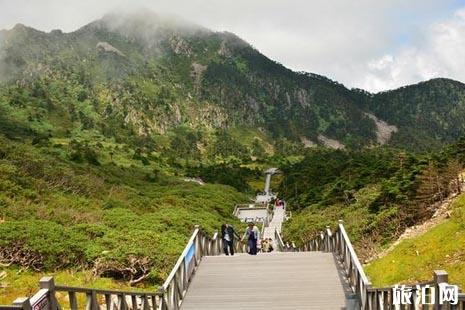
(252, 234)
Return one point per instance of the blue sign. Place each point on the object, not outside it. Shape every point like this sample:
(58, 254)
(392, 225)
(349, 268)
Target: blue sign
(189, 262)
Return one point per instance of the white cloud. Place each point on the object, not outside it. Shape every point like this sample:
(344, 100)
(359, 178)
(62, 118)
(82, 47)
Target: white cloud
(382, 63)
(438, 52)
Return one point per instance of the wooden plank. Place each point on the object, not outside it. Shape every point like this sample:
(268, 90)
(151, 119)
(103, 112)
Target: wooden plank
(305, 280)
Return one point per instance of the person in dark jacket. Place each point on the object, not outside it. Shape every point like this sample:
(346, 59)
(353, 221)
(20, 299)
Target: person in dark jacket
(227, 234)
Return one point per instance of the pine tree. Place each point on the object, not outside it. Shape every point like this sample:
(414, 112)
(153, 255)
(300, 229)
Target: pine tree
(430, 187)
(452, 176)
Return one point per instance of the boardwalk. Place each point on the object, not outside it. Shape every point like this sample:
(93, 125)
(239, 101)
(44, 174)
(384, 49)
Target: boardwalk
(275, 224)
(285, 281)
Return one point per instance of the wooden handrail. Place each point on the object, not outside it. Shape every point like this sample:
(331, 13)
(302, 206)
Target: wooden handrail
(113, 299)
(279, 241)
(62, 288)
(368, 297)
(168, 297)
(199, 245)
(353, 255)
(284, 246)
(181, 257)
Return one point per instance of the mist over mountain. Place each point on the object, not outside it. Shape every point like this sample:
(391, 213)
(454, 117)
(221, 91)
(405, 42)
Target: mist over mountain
(141, 74)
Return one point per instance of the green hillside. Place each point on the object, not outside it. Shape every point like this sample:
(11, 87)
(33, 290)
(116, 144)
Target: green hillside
(107, 220)
(415, 259)
(377, 192)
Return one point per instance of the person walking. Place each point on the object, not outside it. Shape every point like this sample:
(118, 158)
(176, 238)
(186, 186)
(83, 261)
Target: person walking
(252, 234)
(227, 234)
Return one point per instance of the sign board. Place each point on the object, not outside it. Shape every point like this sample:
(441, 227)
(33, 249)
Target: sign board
(190, 261)
(42, 303)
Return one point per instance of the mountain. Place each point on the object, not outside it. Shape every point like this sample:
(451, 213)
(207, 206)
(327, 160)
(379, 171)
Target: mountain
(136, 76)
(427, 114)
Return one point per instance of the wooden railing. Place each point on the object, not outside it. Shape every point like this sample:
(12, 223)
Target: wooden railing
(175, 286)
(367, 297)
(87, 298)
(287, 215)
(426, 292)
(339, 243)
(168, 297)
(284, 246)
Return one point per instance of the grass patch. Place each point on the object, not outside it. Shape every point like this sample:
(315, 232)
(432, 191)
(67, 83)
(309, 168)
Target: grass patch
(413, 260)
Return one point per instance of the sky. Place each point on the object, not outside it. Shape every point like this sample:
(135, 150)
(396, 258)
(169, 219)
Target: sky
(373, 45)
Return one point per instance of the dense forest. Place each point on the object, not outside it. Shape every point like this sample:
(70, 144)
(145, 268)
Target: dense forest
(377, 192)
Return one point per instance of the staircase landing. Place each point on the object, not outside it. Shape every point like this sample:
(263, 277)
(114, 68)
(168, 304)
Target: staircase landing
(279, 280)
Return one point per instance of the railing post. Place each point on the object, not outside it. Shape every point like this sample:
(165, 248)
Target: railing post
(162, 300)
(366, 302)
(23, 302)
(91, 301)
(439, 276)
(340, 247)
(215, 244)
(197, 244)
(327, 236)
(49, 284)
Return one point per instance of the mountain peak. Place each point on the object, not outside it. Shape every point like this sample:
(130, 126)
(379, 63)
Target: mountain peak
(442, 80)
(143, 23)
(20, 28)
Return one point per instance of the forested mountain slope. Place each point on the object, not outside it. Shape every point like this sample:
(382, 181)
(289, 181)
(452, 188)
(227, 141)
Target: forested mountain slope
(131, 76)
(429, 113)
(378, 192)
